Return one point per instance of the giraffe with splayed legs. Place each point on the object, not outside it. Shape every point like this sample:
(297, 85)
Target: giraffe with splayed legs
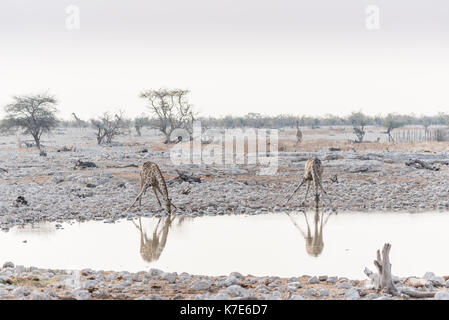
(313, 171)
(151, 176)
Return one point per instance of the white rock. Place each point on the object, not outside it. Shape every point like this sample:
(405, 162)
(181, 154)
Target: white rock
(81, 294)
(37, 295)
(442, 295)
(352, 293)
(201, 284)
(236, 291)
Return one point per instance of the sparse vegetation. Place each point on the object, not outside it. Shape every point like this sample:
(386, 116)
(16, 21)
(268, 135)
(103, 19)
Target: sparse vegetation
(108, 127)
(34, 114)
(172, 109)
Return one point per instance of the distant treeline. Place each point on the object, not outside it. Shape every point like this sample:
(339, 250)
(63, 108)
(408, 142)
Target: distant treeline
(256, 120)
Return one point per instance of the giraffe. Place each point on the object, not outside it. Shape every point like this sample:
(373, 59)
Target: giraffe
(151, 176)
(313, 171)
(298, 133)
(314, 243)
(79, 122)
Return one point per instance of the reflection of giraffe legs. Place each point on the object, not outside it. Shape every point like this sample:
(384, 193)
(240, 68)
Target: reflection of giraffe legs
(152, 247)
(314, 241)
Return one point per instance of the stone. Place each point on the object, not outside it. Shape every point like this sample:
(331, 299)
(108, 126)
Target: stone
(322, 278)
(21, 292)
(37, 295)
(170, 277)
(201, 284)
(3, 293)
(100, 294)
(296, 297)
(324, 292)
(229, 281)
(313, 280)
(220, 296)
(371, 296)
(332, 279)
(5, 280)
(352, 293)
(238, 275)
(81, 294)
(442, 295)
(296, 285)
(155, 272)
(309, 292)
(236, 291)
(344, 285)
(90, 284)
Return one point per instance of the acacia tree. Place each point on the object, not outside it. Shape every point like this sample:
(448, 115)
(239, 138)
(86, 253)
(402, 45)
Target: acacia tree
(34, 114)
(108, 127)
(358, 121)
(172, 109)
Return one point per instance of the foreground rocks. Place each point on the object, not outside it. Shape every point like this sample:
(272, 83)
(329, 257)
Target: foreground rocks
(30, 283)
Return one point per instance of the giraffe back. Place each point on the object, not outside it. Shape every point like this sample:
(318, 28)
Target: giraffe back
(152, 175)
(313, 169)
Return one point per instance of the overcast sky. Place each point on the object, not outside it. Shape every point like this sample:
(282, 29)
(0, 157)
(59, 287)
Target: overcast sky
(285, 56)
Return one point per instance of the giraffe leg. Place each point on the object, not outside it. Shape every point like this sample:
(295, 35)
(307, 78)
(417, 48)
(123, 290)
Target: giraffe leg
(141, 188)
(164, 196)
(317, 195)
(307, 191)
(297, 188)
(139, 196)
(157, 197)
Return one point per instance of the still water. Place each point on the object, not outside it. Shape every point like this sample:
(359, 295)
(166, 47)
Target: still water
(272, 244)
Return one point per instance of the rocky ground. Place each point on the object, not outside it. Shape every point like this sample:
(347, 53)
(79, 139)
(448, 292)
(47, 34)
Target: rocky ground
(30, 283)
(370, 177)
(367, 181)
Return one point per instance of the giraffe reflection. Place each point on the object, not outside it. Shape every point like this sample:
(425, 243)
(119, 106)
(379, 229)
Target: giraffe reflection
(314, 242)
(151, 247)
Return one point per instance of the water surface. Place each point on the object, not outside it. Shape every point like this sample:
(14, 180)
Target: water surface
(271, 244)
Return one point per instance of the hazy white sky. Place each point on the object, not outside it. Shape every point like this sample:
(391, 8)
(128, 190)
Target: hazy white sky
(286, 56)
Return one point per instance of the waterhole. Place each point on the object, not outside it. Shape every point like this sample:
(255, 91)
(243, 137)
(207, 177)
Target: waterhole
(313, 243)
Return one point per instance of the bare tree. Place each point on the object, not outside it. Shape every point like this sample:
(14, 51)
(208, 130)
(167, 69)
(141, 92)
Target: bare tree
(35, 114)
(172, 109)
(139, 123)
(108, 127)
